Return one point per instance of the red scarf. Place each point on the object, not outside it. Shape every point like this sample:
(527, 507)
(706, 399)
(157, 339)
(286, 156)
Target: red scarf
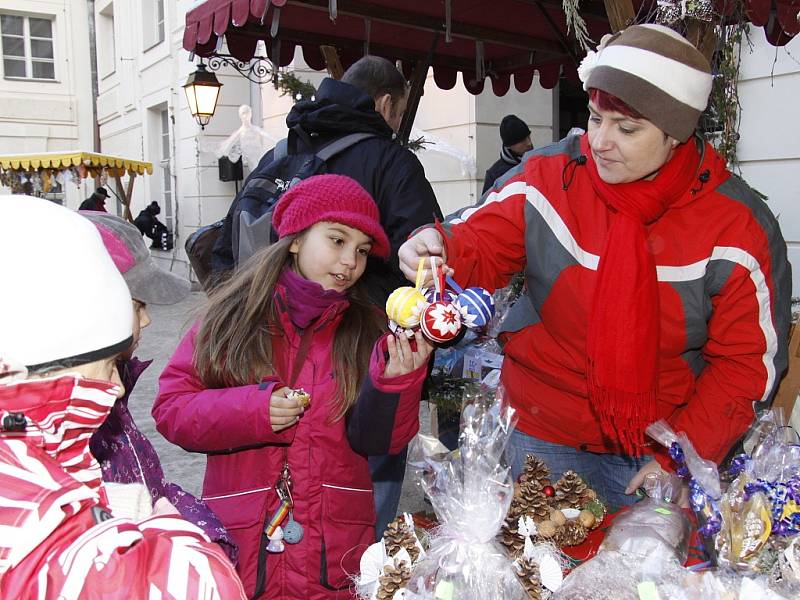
(623, 331)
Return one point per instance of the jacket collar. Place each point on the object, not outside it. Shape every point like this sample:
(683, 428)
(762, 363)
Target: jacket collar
(339, 108)
(329, 315)
(129, 371)
(61, 414)
(509, 157)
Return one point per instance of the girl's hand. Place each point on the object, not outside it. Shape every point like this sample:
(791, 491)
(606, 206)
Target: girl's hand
(402, 359)
(283, 412)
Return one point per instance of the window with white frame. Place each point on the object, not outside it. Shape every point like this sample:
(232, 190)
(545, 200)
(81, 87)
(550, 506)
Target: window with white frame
(106, 42)
(159, 21)
(166, 186)
(154, 22)
(27, 47)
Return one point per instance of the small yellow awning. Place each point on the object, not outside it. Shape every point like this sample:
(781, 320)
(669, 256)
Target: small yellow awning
(61, 160)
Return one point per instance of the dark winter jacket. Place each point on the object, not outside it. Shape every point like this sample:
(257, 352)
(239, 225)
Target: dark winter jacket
(390, 173)
(95, 203)
(507, 160)
(332, 491)
(127, 456)
(147, 222)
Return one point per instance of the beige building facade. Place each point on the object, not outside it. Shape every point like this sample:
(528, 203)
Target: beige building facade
(45, 80)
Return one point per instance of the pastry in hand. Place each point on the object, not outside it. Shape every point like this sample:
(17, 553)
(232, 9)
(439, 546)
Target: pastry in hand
(303, 398)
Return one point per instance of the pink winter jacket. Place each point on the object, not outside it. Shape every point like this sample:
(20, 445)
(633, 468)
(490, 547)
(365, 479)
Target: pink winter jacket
(332, 488)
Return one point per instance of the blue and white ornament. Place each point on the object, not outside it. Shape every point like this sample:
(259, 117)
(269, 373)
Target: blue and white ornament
(478, 305)
(475, 304)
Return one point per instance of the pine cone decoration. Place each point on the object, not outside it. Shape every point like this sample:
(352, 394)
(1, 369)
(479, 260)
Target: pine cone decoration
(393, 578)
(398, 535)
(569, 490)
(528, 573)
(535, 470)
(529, 500)
(571, 533)
(510, 539)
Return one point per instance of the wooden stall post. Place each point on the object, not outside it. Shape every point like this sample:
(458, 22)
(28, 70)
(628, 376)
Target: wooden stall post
(414, 94)
(790, 386)
(125, 195)
(620, 14)
(332, 62)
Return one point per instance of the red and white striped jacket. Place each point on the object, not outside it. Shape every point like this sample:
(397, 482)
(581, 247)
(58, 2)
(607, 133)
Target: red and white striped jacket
(57, 540)
(724, 289)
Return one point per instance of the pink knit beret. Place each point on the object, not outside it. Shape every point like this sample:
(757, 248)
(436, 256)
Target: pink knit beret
(332, 198)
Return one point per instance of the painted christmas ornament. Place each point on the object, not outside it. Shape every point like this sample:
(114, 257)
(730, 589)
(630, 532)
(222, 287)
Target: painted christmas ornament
(477, 306)
(441, 322)
(405, 305)
(431, 295)
(549, 491)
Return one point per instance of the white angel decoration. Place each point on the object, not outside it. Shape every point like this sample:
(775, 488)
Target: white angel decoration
(249, 142)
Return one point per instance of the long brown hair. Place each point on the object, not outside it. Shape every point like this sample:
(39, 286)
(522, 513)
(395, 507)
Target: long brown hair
(234, 344)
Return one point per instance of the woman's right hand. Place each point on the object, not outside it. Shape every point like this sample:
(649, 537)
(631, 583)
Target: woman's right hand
(283, 412)
(427, 242)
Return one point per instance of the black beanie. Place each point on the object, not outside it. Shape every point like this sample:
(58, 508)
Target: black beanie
(513, 130)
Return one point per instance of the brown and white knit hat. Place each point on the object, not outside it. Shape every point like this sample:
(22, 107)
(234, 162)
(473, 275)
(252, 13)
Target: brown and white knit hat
(655, 71)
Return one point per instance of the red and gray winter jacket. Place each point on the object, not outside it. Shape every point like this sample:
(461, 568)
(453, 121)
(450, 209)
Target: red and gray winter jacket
(724, 287)
(332, 490)
(58, 539)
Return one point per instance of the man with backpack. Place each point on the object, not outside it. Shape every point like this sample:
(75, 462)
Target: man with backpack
(362, 111)
(347, 130)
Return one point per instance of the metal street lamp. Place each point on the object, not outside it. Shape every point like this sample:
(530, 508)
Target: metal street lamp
(202, 91)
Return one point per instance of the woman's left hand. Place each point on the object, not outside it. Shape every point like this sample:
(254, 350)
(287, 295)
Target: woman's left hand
(637, 481)
(402, 359)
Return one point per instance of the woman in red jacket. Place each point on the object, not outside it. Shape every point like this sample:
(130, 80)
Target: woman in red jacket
(290, 480)
(657, 282)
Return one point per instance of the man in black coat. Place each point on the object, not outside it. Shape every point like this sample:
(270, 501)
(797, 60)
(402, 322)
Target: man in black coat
(370, 98)
(96, 202)
(147, 222)
(516, 139)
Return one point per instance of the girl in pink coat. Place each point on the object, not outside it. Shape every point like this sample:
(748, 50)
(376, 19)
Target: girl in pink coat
(288, 474)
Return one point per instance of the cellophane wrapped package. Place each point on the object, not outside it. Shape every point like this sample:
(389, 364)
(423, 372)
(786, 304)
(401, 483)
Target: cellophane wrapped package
(470, 490)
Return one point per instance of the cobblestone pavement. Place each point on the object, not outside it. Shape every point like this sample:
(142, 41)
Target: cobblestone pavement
(158, 342)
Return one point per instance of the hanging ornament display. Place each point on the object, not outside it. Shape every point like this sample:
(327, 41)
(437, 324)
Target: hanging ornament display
(441, 322)
(443, 312)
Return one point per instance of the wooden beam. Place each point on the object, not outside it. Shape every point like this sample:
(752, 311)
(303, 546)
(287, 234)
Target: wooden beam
(332, 62)
(588, 9)
(129, 196)
(125, 195)
(565, 43)
(405, 54)
(620, 14)
(418, 78)
(788, 389)
(395, 16)
(703, 35)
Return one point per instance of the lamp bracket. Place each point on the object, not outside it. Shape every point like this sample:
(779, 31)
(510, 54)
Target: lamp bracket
(258, 70)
